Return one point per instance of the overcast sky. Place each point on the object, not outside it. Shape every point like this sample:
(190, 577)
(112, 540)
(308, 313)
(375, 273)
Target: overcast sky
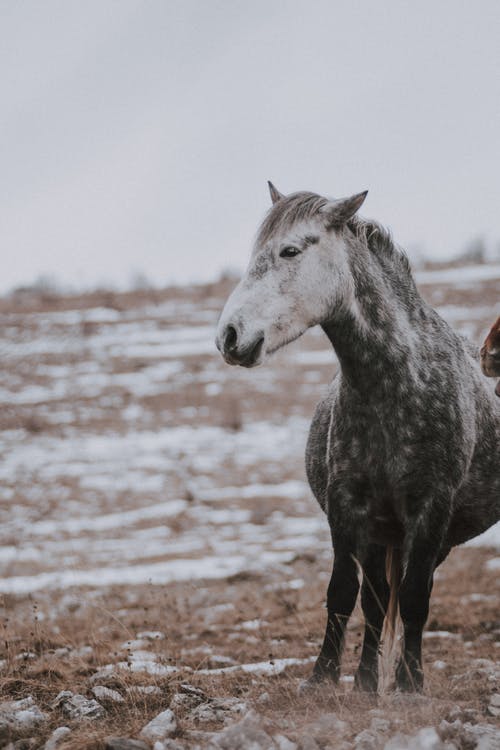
(138, 136)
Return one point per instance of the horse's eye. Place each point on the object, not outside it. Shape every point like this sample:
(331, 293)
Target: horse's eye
(289, 252)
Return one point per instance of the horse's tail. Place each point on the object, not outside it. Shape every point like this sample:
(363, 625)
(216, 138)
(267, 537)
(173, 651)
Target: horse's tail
(393, 569)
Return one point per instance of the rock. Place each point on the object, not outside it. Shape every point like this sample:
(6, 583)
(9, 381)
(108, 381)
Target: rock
(484, 736)
(478, 736)
(76, 706)
(186, 687)
(327, 727)
(494, 706)
(217, 709)
(283, 743)
(425, 739)
(188, 696)
(263, 698)
(56, 737)
(19, 716)
(247, 734)
(380, 725)
(439, 665)
(368, 739)
(105, 674)
(124, 743)
(180, 700)
(167, 745)
(107, 695)
(161, 727)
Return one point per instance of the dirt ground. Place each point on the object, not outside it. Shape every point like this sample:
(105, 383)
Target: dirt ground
(157, 529)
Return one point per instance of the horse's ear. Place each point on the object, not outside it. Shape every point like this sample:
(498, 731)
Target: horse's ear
(275, 194)
(338, 212)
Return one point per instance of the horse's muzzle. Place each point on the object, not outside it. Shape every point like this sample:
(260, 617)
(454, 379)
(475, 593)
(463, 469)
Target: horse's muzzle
(237, 353)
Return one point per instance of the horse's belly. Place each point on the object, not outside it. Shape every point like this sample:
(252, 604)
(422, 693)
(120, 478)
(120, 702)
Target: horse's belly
(316, 452)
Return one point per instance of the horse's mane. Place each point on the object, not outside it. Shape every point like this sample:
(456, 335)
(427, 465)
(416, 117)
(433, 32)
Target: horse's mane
(302, 206)
(378, 240)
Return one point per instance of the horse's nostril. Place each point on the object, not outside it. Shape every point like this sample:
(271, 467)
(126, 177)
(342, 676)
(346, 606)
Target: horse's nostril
(231, 338)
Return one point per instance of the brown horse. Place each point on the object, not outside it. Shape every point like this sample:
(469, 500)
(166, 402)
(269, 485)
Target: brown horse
(490, 354)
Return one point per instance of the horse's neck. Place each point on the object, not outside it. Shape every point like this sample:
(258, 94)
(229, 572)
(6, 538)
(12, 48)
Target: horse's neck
(372, 335)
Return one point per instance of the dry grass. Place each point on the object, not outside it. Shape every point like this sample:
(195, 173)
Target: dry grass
(198, 629)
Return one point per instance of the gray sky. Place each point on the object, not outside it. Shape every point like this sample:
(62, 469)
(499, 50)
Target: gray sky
(139, 135)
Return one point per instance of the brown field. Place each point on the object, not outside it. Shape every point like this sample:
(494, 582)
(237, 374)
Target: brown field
(149, 488)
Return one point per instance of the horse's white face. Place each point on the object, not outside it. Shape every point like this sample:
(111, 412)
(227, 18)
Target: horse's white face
(295, 280)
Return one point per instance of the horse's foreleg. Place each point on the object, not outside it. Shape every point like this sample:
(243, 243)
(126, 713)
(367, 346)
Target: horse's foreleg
(341, 598)
(374, 600)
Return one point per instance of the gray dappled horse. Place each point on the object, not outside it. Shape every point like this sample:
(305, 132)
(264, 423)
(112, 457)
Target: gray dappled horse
(403, 451)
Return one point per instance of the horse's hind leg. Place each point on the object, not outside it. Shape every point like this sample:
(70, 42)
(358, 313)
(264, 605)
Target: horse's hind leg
(414, 595)
(374, 601)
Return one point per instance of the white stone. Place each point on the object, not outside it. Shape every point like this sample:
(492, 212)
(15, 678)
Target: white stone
(494, 707)
(22, 715)
(248, 734)
(56, 737)
(283, 743)
(161, 727)
(76, 706)
(104, 694)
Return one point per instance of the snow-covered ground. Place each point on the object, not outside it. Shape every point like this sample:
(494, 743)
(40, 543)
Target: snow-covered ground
(129, 453)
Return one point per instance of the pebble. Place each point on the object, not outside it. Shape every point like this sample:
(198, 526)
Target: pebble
(161, 727)
(425, 739)
(327, 726)
(167, 745)
(217, 709)
(56, 737)
(368, 739)
(188, 696)
(494, 706)
(76, 706)
(245, 735)
(378, 724)
(107, 695)
(22, 715)
(283, 743)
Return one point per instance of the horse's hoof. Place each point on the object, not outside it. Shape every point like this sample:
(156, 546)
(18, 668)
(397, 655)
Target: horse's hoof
(309, 686)
(409, 680)
(314, 683)
(366, 682)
